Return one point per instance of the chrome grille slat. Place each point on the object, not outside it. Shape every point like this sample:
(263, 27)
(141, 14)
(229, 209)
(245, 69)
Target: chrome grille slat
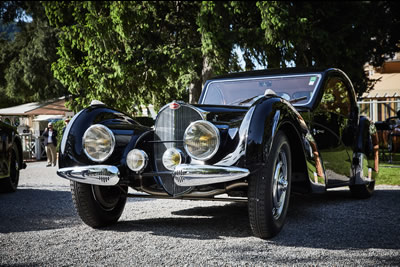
(170, 126)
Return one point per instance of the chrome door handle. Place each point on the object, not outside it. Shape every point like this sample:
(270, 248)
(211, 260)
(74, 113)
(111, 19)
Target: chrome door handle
(315, 132)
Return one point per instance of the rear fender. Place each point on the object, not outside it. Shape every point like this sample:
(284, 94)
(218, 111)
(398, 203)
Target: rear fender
(366, 152)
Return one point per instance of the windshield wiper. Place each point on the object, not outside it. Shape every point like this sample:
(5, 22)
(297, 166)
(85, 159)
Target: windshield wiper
(243, 100)
(295, 100)
(246, 100)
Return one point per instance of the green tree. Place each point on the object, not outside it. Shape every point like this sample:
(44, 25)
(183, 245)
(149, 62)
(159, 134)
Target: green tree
(126, 53)
(338, 34)
(25, 60)
(131, 53)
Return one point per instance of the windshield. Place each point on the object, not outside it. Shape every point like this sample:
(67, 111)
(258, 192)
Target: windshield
(242, 91)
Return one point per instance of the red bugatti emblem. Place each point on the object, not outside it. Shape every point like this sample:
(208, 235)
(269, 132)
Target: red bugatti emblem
(174, 105)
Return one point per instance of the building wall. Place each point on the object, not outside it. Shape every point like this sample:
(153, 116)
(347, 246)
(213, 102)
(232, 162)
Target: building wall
(379, 109)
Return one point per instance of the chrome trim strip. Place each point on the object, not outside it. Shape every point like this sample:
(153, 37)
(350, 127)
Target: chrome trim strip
(240, 150)
(95, 174)
(275, 123)
(189, 197)
(358, 171)
(195, 175)
(201, 112)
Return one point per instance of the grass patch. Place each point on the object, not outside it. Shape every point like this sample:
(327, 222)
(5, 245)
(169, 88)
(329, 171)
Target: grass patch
(389, 173)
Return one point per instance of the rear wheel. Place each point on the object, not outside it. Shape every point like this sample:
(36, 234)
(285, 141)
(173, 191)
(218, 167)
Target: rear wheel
(363, 190)
(269, 190)
(10, 184)
(363, 170)
(98, 206)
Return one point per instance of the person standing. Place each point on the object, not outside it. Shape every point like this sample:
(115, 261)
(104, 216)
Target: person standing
(50, 142)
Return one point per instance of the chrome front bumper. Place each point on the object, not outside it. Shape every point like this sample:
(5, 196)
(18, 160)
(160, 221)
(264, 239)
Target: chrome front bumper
(195, 175)
(96, 174)
(184, 174)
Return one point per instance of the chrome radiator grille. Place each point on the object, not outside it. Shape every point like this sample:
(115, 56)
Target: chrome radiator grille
(169, 129)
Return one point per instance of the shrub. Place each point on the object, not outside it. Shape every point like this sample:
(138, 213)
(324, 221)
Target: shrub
(59, 126)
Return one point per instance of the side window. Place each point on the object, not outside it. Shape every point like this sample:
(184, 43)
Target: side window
(336, 98)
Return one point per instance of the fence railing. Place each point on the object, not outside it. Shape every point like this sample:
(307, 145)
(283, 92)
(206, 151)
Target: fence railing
(32, 147)
(379, 110)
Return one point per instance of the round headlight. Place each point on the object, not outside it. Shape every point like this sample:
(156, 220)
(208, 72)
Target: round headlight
(201, 140)
(137, 160)
(171, 158)
(98, 142)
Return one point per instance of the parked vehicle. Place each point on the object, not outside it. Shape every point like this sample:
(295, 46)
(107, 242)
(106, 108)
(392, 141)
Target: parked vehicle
(254, 137)
(11, 158)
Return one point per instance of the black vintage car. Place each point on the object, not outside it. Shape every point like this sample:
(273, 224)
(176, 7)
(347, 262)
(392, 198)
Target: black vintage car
(254, 137)
(11, 159)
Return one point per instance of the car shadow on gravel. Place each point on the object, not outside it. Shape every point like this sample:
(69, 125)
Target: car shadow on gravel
(203, 223)
(35, 210)
(336, 220)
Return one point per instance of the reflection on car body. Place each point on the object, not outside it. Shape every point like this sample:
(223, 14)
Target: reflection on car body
(11, 158)
(254, 137)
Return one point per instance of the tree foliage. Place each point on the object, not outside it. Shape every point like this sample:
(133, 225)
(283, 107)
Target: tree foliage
(25, 60)
(128, 53)
(338, 34)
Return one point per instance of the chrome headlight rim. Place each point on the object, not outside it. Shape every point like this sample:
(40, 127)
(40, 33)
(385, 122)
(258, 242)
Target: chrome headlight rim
(112, 137)
(214, 128)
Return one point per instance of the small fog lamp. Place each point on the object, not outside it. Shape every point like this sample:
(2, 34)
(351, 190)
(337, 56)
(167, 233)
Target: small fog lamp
(171, 158)
(137, 160)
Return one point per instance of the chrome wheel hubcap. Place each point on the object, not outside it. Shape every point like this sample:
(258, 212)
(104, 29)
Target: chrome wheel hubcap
(280, 185)
(106, 196)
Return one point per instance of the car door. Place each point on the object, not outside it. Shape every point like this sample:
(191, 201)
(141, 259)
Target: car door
(331, 129)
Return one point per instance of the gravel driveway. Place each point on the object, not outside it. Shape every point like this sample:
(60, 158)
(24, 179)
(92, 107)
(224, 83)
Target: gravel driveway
(39, 227)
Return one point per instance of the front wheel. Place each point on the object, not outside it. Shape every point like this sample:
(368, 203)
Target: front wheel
(98, 206)
(269, 190)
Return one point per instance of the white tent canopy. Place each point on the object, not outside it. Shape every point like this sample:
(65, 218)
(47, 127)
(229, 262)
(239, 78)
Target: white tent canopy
(48, 117)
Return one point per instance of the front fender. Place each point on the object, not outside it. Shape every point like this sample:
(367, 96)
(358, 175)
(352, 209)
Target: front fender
(125, 129)
(268, 116)
(274, 114)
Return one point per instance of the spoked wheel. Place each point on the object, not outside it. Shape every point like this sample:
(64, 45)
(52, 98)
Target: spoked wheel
(107, 196)
(10, 183)
(269, 190)
(366, 190)
(280, 185)
(98, 206)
